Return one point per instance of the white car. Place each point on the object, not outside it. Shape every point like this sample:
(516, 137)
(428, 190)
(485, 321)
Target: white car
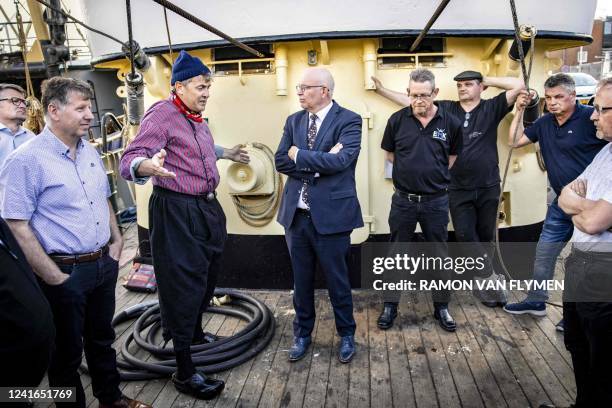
(585, 87)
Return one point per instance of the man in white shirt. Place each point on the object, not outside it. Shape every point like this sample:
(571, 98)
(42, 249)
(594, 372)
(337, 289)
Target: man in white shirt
(587, 298)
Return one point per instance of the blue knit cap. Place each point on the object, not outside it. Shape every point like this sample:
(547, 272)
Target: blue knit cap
(186, 66)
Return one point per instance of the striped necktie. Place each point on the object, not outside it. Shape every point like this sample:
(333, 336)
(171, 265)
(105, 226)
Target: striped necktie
(312, 135)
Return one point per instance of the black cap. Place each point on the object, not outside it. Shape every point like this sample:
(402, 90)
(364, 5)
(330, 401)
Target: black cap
(468, 76)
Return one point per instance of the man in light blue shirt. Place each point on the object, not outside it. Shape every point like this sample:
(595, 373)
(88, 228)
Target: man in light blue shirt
(12, 115)
(55, 201)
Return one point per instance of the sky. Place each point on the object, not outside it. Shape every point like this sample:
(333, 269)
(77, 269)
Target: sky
(604, 8)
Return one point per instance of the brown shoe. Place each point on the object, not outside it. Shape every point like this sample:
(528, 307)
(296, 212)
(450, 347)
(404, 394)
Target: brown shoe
(125, 402)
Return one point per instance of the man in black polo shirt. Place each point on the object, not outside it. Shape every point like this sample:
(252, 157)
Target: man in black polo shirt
(474, 189)
(422, 142)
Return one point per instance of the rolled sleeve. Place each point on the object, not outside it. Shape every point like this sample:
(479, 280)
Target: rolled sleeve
(219, 151)
(151, 138)
(134, 168)
(533, 131)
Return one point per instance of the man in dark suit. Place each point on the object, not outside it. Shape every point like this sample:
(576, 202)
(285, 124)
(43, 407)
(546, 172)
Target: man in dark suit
(26, 322)
(318, 153)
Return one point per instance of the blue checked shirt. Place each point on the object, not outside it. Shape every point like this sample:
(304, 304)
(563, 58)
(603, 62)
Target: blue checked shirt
(64, 200)
(10, 141)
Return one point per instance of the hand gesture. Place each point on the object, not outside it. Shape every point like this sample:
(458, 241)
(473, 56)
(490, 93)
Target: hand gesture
(237, 154)
(155, 166)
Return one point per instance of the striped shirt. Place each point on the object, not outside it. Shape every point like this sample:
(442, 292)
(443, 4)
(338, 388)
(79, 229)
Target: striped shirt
(598, 175)
(65, 200)
(189, 146)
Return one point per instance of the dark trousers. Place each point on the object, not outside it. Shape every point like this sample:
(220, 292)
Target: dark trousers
(588, 329)
(306, 246)
(474, 215)
(83, 308)
(432, 216)
(187, 239)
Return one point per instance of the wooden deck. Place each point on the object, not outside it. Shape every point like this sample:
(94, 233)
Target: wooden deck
(493, 360)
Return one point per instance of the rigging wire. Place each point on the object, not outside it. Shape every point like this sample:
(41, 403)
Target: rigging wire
(526, 71)
(168, 33)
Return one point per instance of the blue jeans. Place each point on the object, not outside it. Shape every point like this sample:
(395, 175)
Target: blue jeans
(557, 231)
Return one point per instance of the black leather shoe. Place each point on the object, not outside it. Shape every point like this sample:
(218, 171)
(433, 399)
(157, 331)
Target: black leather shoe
(445, 319)
(199, 386)
(299, 348)
(387, 316)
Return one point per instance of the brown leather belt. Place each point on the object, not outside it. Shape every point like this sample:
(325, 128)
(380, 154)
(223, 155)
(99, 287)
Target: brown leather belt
(67, 259)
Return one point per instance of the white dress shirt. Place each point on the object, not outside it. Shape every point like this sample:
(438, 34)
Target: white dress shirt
(320, 117)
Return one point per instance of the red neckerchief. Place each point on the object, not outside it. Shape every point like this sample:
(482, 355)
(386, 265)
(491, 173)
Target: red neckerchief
(195, 116)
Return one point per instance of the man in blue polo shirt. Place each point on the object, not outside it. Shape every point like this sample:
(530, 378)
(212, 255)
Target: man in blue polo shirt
(568, 143)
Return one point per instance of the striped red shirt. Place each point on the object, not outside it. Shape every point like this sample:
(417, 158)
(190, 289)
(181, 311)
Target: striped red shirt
(190, 155)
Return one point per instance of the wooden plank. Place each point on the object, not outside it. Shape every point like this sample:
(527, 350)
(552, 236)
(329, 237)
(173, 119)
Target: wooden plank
(420, 373)
(272, 392)
(556, 391)
(446, 391)
(295, 387)
(359, 368)
(399, 366)
(547, 325)
(262, 366)
(481, 371)
(465, 384)
(512, 391)
(338, 382)
(523, 374)
(238, 375)
(380, 379)
(322, 354)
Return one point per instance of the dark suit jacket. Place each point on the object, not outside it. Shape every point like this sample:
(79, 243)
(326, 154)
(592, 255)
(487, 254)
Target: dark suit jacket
(334, 206)
(25, 314)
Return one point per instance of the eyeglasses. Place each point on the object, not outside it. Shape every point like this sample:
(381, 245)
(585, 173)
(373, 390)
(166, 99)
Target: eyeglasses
(600, 109)
(421, 96)
(302, 88)
(17, 101)
(467, 117)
